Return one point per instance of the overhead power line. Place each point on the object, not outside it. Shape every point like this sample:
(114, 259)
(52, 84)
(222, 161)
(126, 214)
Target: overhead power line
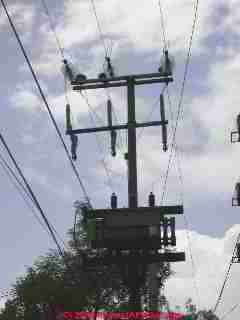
(181, 95)
(45, 102)
(226, 276)
(32, 194)
(230, 311)
(162, 25)
(61, 50)
(99, 28)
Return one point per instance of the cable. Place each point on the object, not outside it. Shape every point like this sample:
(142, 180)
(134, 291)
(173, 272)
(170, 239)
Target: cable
(11, 178)
(226, 276)
(140, 133)
(191, 256)
(24, 194)
(99, 28)
(32, 194)
(181, 94)
(230, 311)
(106, 55)
(45, 102)
(162, 25)
(110, 184)
(61, 50)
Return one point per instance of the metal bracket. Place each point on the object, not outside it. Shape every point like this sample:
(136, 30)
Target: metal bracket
(235, 136)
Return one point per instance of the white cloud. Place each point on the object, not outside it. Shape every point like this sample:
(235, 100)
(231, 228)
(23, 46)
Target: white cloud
(211, 258)
(22, 16)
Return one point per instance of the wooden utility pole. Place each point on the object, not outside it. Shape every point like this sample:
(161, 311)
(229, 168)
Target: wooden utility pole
(123, 221)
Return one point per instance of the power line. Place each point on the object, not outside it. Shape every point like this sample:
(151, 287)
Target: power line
(181, 94)
(106, 55)
(99, 28)
(32, 194)
(18, 184)
(110, 184)
(45, 102)
(162, 25)
(86, 99)
(230, 311)
(61, 50)
(226, 276)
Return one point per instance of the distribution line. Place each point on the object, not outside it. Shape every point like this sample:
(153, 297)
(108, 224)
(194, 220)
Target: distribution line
(18, 184)
(110, 184)
(32, 194)
(162, 25)
(86, 99)
(181, 95)
(45, 102)
(177, 156)
(21, 189)
(99, 28)
(230, 311)
(106, 55)
(226, 276)
(61, 50)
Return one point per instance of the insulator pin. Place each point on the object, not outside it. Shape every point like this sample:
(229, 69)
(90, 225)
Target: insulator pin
(151, 200)
(164, 123)
(237, 189)
(68, 118)
(113, 201)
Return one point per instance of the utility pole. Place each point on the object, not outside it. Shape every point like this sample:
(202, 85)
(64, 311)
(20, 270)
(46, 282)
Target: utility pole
(127, 229)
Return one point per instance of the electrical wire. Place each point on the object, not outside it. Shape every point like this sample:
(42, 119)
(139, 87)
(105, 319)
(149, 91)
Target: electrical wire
(108, 53)
(156, 103)
(99, 28)
(45, 102)
(32, 194)
(181, 95)
(162, 25)
(110, 183)
(230, 311)
(26, 196)
(19, 186)
(86, 99)
(226, 276)
(61, 50)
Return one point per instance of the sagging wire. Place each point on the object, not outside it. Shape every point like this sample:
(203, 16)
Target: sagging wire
(45, 101)
(226, 276)
(181, 95)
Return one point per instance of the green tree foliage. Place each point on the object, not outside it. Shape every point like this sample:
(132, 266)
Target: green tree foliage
(53, 280)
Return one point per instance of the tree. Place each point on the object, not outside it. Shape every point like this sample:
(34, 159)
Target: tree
(54, 280)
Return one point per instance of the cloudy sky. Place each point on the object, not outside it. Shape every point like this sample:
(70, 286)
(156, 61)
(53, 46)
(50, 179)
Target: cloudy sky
(207, 160)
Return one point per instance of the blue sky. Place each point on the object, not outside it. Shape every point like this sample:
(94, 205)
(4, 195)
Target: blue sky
(208, 161)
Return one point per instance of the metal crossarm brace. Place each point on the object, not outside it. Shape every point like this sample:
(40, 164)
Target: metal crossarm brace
(121, 81)
(141, 259)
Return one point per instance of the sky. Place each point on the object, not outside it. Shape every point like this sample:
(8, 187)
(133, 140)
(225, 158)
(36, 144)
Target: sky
(207, 160)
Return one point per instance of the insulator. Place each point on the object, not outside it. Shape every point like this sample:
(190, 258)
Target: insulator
(109, 112)
(109, 67)
(113, 142)
(164, 125)
(237, 189)
(74, 140)
(113, 201)
(102, 75)
(68, 70)
(68, 118)
(151, 200)
(173, 235)
(238, 124)
(165, 232)
(167, 63)
(80, 77)
(238, 251)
